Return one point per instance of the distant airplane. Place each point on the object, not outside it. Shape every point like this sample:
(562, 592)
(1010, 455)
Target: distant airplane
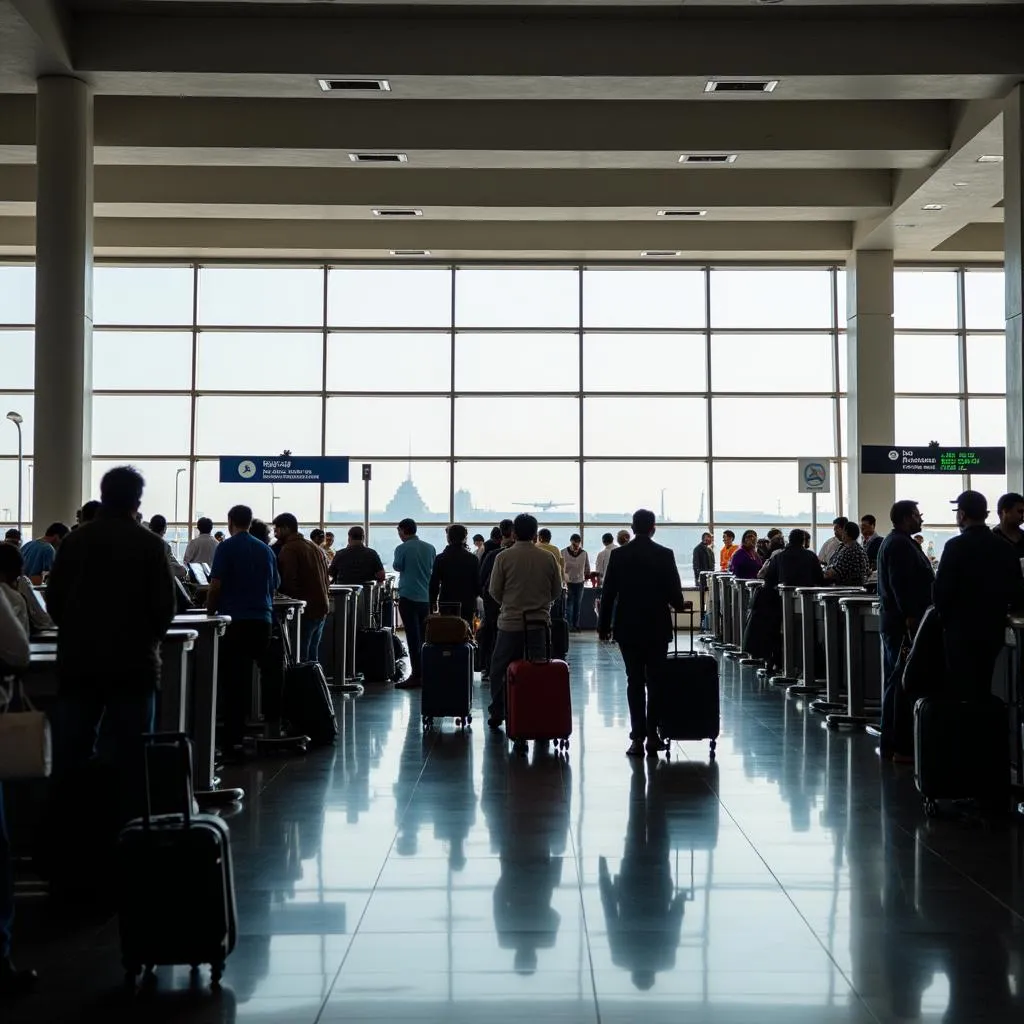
(543, 506)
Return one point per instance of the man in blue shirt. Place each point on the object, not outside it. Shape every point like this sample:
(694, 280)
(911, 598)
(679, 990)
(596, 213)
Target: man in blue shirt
(243, 579)
(414, 561)
(39, 554)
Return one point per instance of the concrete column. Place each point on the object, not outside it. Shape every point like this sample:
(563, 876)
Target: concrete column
(1013, 212)
(871, 406)
(64, 204)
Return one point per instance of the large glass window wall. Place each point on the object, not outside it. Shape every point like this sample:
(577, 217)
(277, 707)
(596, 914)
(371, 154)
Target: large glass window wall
(477, 392)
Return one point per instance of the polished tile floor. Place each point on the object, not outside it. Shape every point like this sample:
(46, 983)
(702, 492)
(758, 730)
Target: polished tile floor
(412, 878)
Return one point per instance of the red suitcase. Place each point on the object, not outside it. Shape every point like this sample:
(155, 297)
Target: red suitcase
(539, 702)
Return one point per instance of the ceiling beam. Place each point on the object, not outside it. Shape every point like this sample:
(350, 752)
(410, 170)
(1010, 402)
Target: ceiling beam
(49, 22)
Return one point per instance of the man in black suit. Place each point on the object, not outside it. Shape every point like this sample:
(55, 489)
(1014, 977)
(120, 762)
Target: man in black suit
(640, 585)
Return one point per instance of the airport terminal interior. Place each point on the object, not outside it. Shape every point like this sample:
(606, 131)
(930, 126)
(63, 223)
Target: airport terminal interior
(567, 258)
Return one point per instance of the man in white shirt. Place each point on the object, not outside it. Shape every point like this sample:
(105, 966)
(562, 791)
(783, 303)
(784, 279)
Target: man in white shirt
(601, 562)
(835, 542)
(158, 525)
(202, 548)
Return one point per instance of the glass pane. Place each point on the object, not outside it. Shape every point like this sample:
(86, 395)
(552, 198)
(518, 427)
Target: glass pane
(392, 297)
(517, 362)
(24, 404)
(926, 363)
(213, 498)
(671, 362)
(771, 362)
(919, 421)
(259, 362)
(645, 426)
(490, 491)
(844, 366)
(146, 296)
(986, 422)
(993, 487)
(257, 425)
(389, 426)
(9, 496)
(985, 299)
(841, 311)
(419, 490)
(844, 427)
(154, 361)
(517, 426)
(130, 425)
(18, 358)
(161, 477)
(773, 427)
(765, 492)
(17, 295)
(502, 297)
(986, 363)
(642, 297)
(675, 491)
(265, 296)
(925, 298)
(389, 362)
(771, 298)
(933, 495)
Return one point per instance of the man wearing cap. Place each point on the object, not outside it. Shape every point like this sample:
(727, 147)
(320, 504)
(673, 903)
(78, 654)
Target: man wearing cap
(978, 580)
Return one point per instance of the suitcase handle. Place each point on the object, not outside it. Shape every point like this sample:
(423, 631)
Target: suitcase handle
(454, 608)
(181, 741)
(546, 626)
(675, 628)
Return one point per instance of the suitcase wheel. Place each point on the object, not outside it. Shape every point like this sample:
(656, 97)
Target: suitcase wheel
(469, 718)
(931, 808)
(519, 747)
(714, 747)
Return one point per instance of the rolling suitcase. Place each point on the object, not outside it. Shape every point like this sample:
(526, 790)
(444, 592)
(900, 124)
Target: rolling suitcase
(386, 614)
(690, 697)
(538, 697)
(447, 683)
(944, 725)
(308, 704)
(176, 896)
(375, 655)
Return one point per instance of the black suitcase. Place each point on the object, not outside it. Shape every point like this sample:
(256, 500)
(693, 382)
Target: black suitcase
(690, 696)
(386, 617)
(559, 639)
(308, 704)
(447, 683)
(176, 895)
(375, 655)
(945, 726)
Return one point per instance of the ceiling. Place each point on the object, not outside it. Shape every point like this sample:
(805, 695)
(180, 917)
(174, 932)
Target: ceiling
(531, 130)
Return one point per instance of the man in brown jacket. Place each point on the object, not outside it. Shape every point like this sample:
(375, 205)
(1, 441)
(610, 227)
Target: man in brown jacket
(303, 572)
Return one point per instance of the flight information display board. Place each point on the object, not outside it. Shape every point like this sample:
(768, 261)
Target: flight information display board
(881, 458)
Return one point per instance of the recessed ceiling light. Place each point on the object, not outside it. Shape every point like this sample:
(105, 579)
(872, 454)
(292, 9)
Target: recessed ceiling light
(397, 213)
(960, 184)
(742, 85)
(409, 252)
(660, 252)
(354, 84)
(906, 225)
(707, 158)
(932, 207)
(990, 158)
(682, 213)
(378, 158)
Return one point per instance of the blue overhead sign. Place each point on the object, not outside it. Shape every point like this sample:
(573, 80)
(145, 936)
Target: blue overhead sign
(283, 469)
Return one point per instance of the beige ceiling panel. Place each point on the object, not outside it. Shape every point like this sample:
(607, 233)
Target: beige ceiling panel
(972, 238)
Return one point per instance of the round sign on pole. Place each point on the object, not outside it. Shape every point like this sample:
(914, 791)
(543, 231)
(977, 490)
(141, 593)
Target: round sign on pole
(814, 476)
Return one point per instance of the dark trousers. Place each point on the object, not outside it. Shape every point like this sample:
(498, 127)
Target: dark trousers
(897, 710)
(574, 604)
(414, 618)
(244, 644)
(645, 669)
(309, 642)
(6, 886)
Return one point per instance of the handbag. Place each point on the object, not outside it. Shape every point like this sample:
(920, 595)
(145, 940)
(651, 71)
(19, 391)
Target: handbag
(26, 749)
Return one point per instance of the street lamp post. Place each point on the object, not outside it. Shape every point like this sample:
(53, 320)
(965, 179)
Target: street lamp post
(177, 543)
(16, 419)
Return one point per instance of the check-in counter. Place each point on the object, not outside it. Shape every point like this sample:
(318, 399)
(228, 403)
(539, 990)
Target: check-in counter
(863, 648)
(735, 591)
(706, 588)
(724, 614)
(368, 601)
(750, 588)
(829, 633)
(812, 635)
(288, 611)
(792, 641)
(175, 672)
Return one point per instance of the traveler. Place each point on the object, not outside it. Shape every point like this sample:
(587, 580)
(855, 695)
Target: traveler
(494, 542)
(849, 565)
(489, 631)
(479, 547)
(158, 525)
(219, 536)
(356, 563)
(414, 562)
(746, 562)
(203, 547)
(763, 547)
(316, 538)
(1010, 509)
(544, 541)
(795, 565)
(17, 589)
(259, 530)
(13, 537)
(243, 578)
(14, 656)
(977, 583)
(601, 562)
(729, 548)
(524, 582)
(623, 537)
(870, 538)
(303, 571)
(456, 575)
(39, 554)
(641, 586)
(328, 546)
(577, 569)
(108, 649)
(89, 512)
(833, 544)
(905, 580)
